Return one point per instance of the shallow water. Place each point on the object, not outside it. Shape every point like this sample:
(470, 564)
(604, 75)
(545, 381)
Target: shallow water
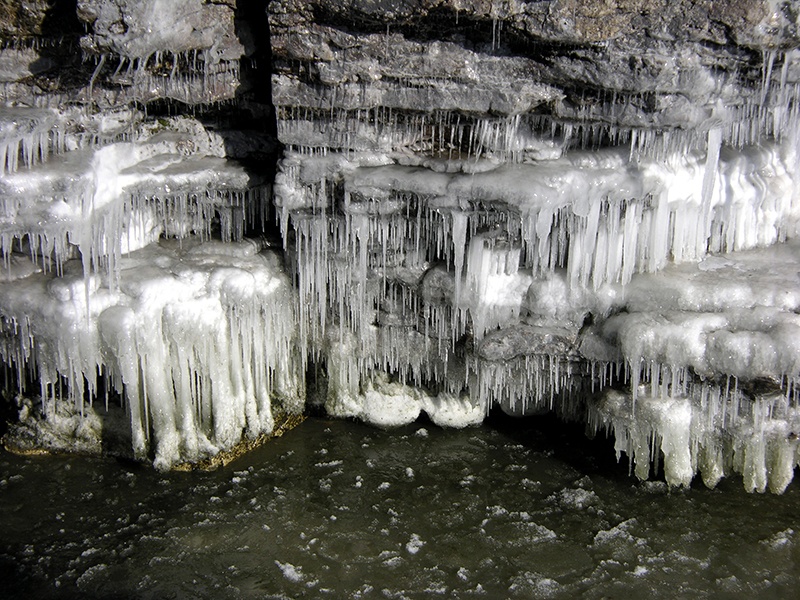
(526, 509)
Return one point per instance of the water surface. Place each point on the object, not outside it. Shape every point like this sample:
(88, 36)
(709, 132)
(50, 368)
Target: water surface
(513, 509)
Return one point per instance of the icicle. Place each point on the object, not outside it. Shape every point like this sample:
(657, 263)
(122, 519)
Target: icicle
(459, 248)
(93, 78)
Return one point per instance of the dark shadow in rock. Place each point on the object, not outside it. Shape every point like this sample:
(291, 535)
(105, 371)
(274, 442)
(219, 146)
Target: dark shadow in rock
(255, 91)
(60, 66)
(7, 412)
(564, 441)
(61, 20)
(110, 408)
(251, 137)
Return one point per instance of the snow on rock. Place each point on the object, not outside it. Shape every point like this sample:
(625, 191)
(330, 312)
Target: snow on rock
(385, 403)
(137, 28)
(186, 50)
(56, 426)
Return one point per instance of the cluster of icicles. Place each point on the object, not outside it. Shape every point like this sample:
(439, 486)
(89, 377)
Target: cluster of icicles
(596, 215)
(192, 77)
(441, 264)
(433, 242)
(99, 195)
(711, 430)
(328, 122)
(110, 272)
(412, 277)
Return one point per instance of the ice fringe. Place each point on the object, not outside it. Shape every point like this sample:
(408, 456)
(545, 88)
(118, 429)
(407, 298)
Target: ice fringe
(198, 339)
(705, 432)
(444, 262)
(407, 260)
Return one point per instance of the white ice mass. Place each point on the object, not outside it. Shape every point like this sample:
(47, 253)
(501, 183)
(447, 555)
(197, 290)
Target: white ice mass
(198, 335)
(640, 271)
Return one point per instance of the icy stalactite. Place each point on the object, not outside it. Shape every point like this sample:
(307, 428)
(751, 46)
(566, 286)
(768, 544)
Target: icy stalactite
(494, 287)
(706, 432)
(198, 339)
(191, 76)
(711, 357)
(30, 136)
(468, 223)
(386, 402)
(474, 280)
(598, 215)
(467, 115)
(27, 137)
(447, 136)
(120, 197)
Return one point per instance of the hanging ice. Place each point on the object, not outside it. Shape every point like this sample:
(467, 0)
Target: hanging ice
(490, 204)
(122, 196)
(452, 236)
(197, 337)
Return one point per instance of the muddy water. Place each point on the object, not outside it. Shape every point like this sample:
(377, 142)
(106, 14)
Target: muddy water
(513, 509)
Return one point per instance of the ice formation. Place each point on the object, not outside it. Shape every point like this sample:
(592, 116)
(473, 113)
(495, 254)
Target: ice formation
(126, 271)
(121, 196)
(196, 335)
(462, 222)
(505, 210)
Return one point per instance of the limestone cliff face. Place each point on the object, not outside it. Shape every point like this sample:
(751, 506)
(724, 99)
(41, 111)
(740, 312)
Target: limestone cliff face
(483, 203)
(633, 64)
(187, 51)
(130, 29)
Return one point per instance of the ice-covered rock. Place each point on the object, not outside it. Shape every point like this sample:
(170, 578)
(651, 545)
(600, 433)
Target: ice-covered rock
(584, 207)
(122, 196)
(526, 203)
(198, 338)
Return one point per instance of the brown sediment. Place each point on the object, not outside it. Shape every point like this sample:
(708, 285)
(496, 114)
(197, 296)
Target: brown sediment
(22, 446)
(20, 450)
(283, 423)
